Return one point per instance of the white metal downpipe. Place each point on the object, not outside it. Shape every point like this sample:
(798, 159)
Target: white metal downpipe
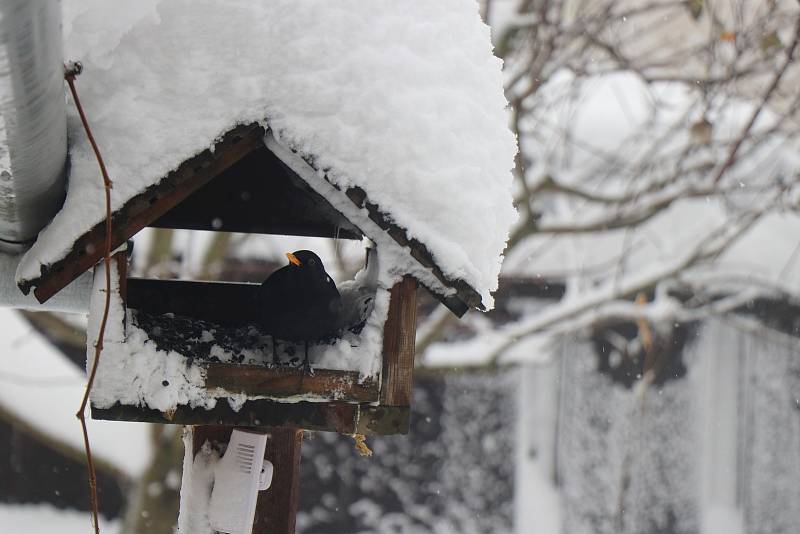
(33, 124)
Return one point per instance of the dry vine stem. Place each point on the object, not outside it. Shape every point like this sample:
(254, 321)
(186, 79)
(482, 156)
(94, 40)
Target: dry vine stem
(70, 72)
(361, 444)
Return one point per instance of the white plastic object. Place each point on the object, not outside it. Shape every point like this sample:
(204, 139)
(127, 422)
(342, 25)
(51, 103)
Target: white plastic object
(239, 476)
(265, 478)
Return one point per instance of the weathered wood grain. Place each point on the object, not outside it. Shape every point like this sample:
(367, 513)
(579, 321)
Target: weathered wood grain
(228, 303)
(289, 382)
(398, 344)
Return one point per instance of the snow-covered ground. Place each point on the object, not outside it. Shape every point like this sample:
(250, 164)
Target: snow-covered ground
(41, 387)
(47, 519)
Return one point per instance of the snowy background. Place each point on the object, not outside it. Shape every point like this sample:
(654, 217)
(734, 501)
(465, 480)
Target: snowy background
(640, 371)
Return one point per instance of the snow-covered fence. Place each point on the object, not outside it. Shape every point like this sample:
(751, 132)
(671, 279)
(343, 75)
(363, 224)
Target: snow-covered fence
(715, 451)
(625, 456)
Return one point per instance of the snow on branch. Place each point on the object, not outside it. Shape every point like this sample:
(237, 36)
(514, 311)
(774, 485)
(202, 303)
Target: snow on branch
(659, 148)
(612, 301)
(658, 155)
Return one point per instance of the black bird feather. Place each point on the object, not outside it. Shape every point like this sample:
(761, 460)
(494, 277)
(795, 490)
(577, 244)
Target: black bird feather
(299, 302)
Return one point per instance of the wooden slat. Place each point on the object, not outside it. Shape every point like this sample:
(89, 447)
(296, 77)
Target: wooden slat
(341, 417)
(289, 382)
(120, 260)
(276, 509)
(146, 207)
(227, 303)
(384, 420)
(398, 344)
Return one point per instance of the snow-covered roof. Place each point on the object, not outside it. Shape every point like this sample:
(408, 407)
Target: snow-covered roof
(401, 99)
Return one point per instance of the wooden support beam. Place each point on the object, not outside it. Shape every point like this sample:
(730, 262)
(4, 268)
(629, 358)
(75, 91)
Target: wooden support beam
(259, 194)
(119, 266)
(341, 417)
(383, 420)
(398, 344)
(276, 510)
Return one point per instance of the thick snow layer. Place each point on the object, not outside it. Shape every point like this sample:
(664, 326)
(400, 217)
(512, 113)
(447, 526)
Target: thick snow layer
(402, 99)
(39, 386)
(45, 519)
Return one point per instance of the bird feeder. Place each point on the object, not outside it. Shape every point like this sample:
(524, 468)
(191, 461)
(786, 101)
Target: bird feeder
(248, 183)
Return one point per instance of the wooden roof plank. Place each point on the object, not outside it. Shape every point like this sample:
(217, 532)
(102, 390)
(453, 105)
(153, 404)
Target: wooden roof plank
(145, 207)
(465, 296)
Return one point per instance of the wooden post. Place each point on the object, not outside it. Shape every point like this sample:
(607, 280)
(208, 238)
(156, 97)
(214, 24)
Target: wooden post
(398, 344)
(276, 509)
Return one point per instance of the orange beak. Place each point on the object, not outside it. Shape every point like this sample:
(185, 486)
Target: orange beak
(292, 259)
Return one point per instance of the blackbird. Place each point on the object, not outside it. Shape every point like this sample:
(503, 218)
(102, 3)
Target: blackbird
(299, 302)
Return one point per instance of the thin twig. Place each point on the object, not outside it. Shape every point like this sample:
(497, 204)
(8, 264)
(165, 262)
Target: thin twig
(765, 99)
(98, 348)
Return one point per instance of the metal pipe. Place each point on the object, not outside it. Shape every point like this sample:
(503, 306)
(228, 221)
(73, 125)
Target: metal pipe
(33, 122)
(74, 298)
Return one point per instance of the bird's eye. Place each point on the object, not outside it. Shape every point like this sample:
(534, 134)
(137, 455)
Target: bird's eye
(312, 262)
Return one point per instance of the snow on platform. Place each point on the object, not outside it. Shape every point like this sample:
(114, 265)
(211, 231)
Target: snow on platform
(152, 360)
(402, 99)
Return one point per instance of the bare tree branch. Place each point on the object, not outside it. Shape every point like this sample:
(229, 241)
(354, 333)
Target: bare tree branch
(776, 80)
